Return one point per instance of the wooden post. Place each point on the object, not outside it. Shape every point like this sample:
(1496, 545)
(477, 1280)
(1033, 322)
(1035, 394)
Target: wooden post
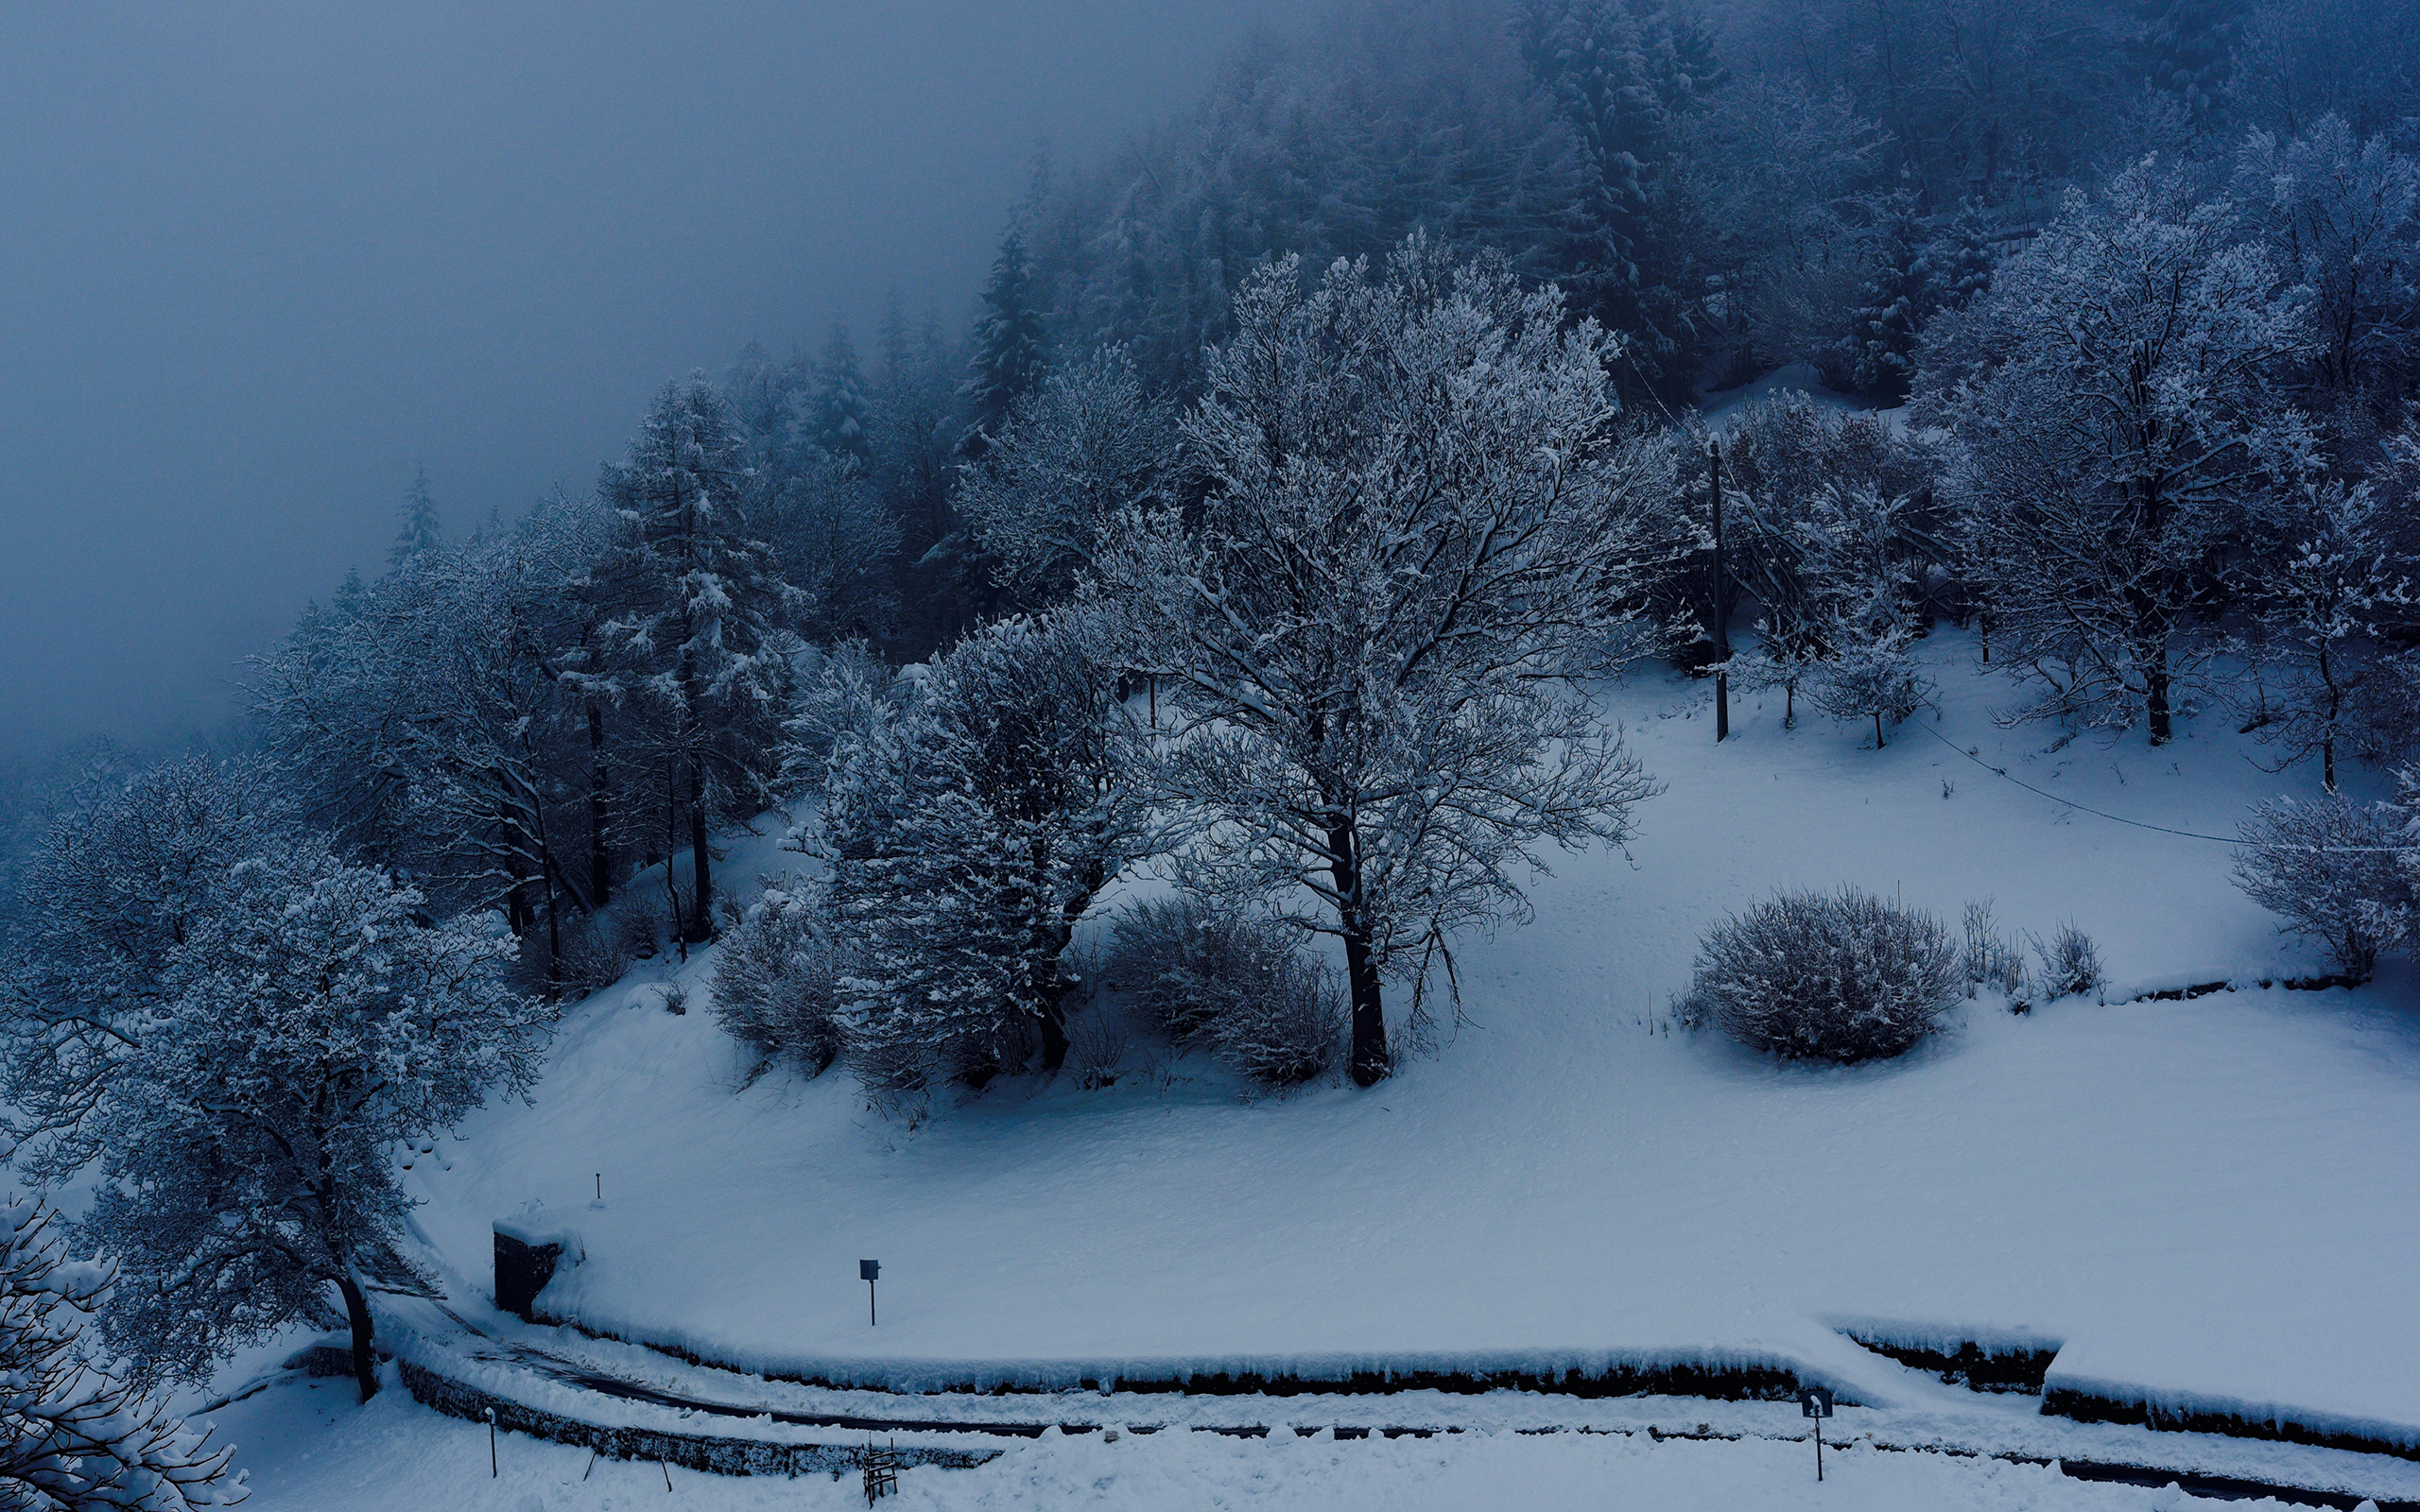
(1721, 615)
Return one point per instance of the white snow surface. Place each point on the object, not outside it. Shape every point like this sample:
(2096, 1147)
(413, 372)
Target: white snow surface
(2212, 1201)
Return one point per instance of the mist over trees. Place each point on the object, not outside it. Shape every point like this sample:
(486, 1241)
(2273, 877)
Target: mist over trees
(1261, 525)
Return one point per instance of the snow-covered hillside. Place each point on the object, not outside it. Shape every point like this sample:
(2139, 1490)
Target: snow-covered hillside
(2211, 1200)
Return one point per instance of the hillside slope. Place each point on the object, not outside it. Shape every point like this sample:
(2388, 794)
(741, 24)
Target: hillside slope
(2212, 1200)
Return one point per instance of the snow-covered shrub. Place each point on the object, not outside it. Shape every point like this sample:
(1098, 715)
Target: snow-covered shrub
(2328, 867)
(2070, 962)
(1209, 973)
(593, 959)
(777, 981)
(1989, 957)
(1828, 975)
(637, 926)
(1097, 1046)
(73, 1435)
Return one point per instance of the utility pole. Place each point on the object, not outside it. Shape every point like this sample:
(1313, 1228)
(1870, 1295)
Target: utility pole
(1721, 616)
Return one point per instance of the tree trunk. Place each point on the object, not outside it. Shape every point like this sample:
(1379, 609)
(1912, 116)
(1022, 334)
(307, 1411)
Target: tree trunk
(701, 896)
(1369, 1056)
(1054, 1037)
(2155, 680)
(1369, 1065)
(1877, 730)
(364, 1356)
(601, 867)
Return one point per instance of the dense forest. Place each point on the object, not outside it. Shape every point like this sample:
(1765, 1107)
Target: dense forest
(1307, 459)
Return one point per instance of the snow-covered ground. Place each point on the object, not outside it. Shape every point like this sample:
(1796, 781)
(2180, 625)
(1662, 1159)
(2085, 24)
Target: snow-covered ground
(2211, 1200)
(310, 1450)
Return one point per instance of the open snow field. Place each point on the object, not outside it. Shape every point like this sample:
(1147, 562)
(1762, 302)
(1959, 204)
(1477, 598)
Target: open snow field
(2213, 1201)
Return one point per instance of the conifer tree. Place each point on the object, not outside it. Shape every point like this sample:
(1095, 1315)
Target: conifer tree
(839, 419)
(1963, 264)
(699, 638)
(421, 529)
(1898, 295)
(1010, 350)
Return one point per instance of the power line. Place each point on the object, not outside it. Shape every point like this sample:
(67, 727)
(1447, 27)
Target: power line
(2005, 775)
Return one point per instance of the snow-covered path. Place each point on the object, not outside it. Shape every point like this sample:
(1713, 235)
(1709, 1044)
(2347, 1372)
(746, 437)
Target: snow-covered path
(311, 1447)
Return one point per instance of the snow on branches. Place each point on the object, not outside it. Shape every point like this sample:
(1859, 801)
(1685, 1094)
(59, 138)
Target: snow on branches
(1424, 523)
(968, 830)
(2115, 398)
(313, 1018)
(76, 1437)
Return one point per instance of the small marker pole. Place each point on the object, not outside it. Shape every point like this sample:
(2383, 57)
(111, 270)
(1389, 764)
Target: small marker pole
(491, 1469)
(1815, 1402)
(601, 1186)
(866, 1271)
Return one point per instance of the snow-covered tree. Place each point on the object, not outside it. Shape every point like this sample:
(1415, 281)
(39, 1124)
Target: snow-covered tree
(833, 544)
(778, 976)
(2324, 600)
(2118, 417)
(838, 418)
(1074, 452)
(455, 708)
(2186, 51)
(1012, 350)
(2342, 217)
(1964, 261)
(1422, 522)
(121, 881)
(969, 834)
(318, 1028)
(421, 529)
(698, 638)
(1621, 75)
(1899, 295)
(74, 1435)
(1864, 587)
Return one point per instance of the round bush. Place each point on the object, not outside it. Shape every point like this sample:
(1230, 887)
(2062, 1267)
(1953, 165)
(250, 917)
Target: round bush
(1826, 975)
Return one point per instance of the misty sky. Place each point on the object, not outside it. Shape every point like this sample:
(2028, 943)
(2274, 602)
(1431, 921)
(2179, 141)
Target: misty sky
(259, 259)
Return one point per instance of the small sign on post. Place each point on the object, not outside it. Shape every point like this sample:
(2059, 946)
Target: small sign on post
(866, 1271)
(1816, 1402)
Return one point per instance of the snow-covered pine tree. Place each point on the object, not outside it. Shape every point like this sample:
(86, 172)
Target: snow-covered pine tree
(968, 835)
(1863, 590)
(318, 1026)
(1963, 259)
(2326, 596)
(76, 1436)
(838, 417)
(2185, 49)
(915, 427)
(1074, 452)
(1898, 295)
(1622, 76)
(1011, 349)
(2121, 414)
(698, 635)
(1424, 521)
(421, 529)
